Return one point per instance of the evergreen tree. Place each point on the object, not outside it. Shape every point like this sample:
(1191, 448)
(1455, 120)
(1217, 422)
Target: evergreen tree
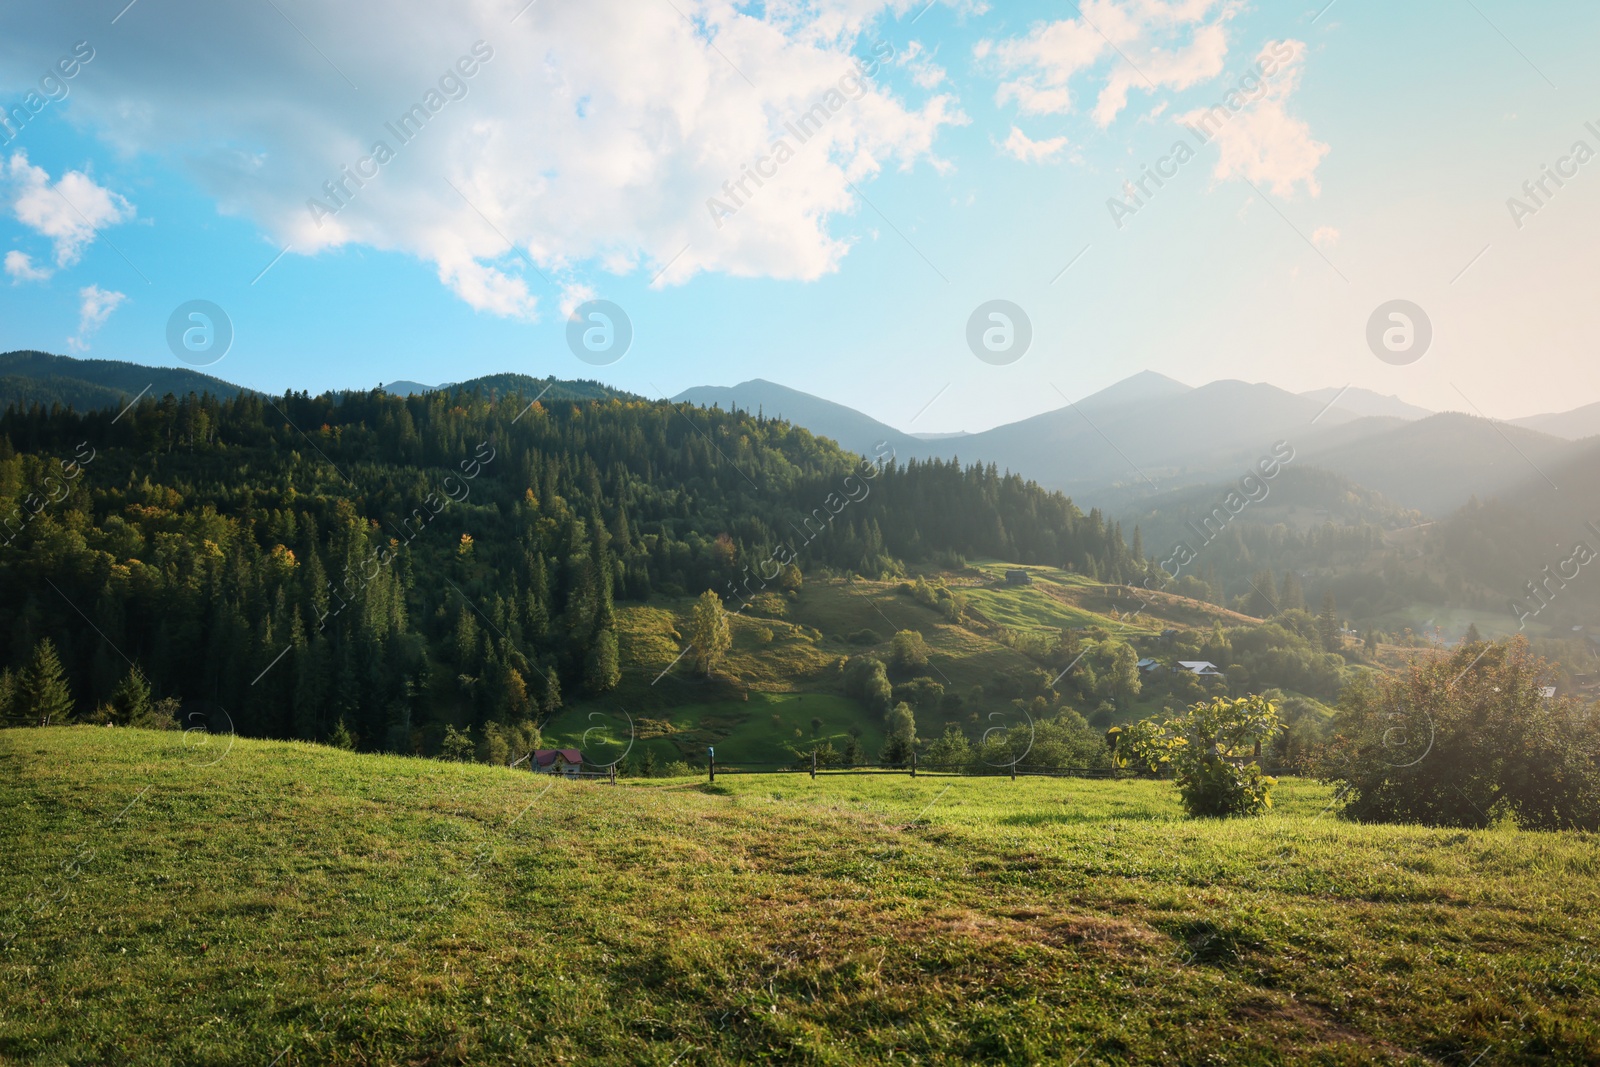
(550, 702)
(44, 694)
(1293, 597)
(603, 670)
(1472, 637)
(1328, 623)
(132, 697)
(1263, 596)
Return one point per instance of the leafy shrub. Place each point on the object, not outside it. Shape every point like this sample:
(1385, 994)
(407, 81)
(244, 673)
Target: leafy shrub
(908, 651)
(1464, 740)
(457, 745)
(864, 636)
(866, 679)
(1206, 748)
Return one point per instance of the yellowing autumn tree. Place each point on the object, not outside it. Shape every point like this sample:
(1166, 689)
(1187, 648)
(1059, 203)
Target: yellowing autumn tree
(708, 631)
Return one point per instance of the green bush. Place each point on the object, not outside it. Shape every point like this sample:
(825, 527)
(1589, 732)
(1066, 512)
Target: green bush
(1466, 740)
(1210, 749)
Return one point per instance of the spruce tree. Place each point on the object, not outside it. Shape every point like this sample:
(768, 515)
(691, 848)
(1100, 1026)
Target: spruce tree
(1328, 623)
(44, 694)
(132, 697)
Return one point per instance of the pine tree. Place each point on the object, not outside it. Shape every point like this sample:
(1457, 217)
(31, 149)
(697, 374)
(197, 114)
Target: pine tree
(1328, 623)
(1472, 637)
(132, 697)
(1263, 597)
(550, 703)
(603, 670)
(44, 694)
(1293, 597)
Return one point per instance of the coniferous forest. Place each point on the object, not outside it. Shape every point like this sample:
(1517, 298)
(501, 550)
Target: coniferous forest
(378, 566)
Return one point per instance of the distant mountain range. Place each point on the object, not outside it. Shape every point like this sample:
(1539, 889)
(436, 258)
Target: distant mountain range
(1133, 442)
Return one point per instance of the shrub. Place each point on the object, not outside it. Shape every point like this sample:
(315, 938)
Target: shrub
(457, 744)
(908, 651)
(952, 752)
(1464, 740)
(1205, 748)
(864, 636)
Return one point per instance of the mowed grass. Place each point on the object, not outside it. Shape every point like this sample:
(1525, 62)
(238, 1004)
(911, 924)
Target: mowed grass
(293, 904)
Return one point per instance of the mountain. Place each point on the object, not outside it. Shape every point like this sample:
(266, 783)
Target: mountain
(1149, 434)
(824, 418)
(1574, 425)
(1435, 464)
(406, 388)
(1366, 402)
(86, 384)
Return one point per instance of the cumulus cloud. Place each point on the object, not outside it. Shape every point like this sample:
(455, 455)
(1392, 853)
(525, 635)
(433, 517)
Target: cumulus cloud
(19, 265)
(1030, 151)
(585, 134)
(1325, 237)
(95, 308)
(68, 212)
(1263, 142)
(1123, 45)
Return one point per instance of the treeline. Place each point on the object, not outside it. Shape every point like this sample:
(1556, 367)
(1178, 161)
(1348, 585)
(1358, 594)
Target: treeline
(393, 566)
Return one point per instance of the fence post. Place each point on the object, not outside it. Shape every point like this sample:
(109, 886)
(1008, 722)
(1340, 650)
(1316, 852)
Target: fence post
(813, 763)
(613, 774)
(1013, 770)
(913, 764)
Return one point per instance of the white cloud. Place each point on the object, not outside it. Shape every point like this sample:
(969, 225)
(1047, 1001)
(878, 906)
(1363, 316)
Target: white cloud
(594, 134)
(96, 307)
(1325, 237)
(20, 266)
(1030, 151)
(916, 58)
(67, 212)
(1263, 142)
(1146, 45)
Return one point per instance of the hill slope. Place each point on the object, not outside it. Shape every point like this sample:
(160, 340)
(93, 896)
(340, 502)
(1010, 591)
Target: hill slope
(300, 904)
(87, 384)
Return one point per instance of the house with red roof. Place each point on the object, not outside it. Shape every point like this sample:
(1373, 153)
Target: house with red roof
(564, 761)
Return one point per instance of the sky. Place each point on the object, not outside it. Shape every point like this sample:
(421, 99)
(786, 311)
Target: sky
(832, 195)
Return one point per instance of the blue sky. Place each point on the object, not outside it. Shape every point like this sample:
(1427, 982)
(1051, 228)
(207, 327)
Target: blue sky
(976, 165)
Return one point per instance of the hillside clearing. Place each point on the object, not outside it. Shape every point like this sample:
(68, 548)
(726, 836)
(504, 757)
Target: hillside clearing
(295, 903)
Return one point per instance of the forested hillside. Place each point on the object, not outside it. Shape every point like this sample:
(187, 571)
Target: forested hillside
(394, 563)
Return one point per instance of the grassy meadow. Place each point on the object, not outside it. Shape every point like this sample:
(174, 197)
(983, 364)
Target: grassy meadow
(277, 903)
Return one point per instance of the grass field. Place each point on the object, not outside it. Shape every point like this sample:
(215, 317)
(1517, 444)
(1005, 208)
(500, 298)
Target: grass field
(272, 903)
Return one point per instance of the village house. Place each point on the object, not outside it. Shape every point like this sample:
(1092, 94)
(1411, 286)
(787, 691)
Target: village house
(1201, 667)
(563, 761)
(1016, 576)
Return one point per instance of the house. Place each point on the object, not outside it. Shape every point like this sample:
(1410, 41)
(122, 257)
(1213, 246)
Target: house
(1168, 635)
(563, 761)
(1547, 691)
(1201, 667)
(1147, 665)
(1017, 576)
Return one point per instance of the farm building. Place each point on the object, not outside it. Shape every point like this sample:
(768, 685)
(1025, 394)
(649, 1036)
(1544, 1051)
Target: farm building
(1017, 576)
(1201, 667)
(564, 761)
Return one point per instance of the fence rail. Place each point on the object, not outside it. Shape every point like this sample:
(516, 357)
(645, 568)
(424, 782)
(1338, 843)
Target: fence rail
(913, 770)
